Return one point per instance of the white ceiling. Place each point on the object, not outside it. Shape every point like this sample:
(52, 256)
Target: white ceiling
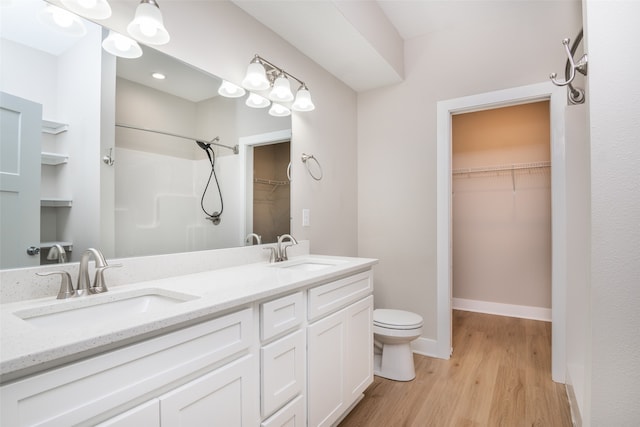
(320, 29)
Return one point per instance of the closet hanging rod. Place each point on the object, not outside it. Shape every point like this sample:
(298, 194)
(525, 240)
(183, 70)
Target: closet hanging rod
(516, 166)
(212, 142)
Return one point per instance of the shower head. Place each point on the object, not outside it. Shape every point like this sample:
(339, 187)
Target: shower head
(203, 145)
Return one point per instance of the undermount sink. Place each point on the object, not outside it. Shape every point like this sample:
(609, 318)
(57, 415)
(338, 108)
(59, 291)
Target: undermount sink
(87, 310)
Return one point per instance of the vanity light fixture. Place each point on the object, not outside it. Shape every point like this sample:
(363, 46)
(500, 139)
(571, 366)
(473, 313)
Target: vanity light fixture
(62, 20)
(147, 25)
(122, 46)
(92, 9)
(278, 110)
(256, 78)
(230, 90)
(262, 74)
(257, 101)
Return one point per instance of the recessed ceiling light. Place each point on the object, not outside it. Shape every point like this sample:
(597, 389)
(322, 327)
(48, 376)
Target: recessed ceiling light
(158, 76)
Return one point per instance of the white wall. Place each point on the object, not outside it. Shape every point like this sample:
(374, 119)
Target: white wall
(612, 385)
(397, 138)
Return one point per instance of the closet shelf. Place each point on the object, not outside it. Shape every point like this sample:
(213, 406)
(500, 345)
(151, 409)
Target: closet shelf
(500, 168)
(272, 182)
(68, 246)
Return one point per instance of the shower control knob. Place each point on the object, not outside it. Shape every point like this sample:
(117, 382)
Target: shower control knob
(32, 250)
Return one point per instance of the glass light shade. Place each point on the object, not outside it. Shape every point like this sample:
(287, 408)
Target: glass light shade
(256, 101)
(230, 90)
(122, 46)
(278, 110)
(92, 9)
(62, 20)
(256, 77)
(147, 25)
(281, 91)
(303, 100)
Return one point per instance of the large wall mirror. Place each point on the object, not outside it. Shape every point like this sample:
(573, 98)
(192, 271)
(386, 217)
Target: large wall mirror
(118, 166)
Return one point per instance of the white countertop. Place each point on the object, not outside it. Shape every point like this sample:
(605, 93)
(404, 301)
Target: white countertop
(26, 349)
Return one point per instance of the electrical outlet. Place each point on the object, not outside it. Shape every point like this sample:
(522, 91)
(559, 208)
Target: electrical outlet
(305, 217)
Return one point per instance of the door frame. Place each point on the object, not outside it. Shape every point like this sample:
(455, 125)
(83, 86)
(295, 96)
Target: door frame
(504, 98)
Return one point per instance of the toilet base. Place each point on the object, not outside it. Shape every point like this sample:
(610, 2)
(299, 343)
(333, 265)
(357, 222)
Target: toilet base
(395, 362)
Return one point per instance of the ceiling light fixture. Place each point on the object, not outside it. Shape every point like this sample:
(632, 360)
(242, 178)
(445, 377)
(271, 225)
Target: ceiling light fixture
(92, 9)
(147, 25)
(230, 90)
(121, 46)
(62, 20)
(262, 74)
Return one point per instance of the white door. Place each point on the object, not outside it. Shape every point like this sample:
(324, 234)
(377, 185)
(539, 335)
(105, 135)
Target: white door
(359, 349)
(20, 142)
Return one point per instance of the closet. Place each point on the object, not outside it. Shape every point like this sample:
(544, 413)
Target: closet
(501, 210)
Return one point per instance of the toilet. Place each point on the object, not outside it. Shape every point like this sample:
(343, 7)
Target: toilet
(393, 331)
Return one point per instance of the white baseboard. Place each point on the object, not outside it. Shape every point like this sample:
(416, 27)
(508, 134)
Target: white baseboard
(522, 311)
(426, 347)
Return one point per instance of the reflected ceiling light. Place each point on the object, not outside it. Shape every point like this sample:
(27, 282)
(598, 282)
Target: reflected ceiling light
(92, 9)
(62, 20)
(278, 110)
(303, 100)
(230, 90)
(281, 91)
(262, 74)
(147, 25)
(256, 77)
(121, 46)
(158, 76)
(257, 101)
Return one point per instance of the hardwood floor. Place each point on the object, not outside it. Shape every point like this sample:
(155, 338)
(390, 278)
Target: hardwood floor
(499, 375)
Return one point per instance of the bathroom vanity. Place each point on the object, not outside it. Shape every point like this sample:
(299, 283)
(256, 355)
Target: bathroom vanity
(260, 344)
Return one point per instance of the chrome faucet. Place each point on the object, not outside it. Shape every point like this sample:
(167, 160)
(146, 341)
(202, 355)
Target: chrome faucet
(255, 236)
(84, 286)
(57, 252)
(281, 250)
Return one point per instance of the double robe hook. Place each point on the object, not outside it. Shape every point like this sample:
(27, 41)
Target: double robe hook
(575, 95)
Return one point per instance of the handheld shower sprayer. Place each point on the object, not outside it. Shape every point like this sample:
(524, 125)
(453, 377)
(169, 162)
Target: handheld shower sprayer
(215, 216)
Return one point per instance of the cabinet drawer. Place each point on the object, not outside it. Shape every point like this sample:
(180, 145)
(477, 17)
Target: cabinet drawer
(77, 392)
(291, 415)
(283, 371)
(281, 315)
(328, 298)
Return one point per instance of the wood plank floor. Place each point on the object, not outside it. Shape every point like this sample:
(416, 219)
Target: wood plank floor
(499, 375)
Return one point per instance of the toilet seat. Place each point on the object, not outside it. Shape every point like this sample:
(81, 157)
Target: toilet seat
(396, 319)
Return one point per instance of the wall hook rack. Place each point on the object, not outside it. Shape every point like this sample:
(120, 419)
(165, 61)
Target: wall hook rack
(576, 96)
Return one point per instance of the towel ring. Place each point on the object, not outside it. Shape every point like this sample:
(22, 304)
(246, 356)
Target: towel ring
(306, 157)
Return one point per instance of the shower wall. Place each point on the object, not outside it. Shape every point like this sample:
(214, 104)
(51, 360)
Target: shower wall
(502, 208)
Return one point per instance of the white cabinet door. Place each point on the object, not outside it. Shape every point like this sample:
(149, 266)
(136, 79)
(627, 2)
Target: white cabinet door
(340, 366)
(359, 349)
(326, 370)
(147, 414)
(226, 397)
(283, 371)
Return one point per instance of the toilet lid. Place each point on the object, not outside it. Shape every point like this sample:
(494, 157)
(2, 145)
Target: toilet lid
(396, 319)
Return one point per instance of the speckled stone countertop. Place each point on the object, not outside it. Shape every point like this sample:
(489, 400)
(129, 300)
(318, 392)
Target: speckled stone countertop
(26, 349)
